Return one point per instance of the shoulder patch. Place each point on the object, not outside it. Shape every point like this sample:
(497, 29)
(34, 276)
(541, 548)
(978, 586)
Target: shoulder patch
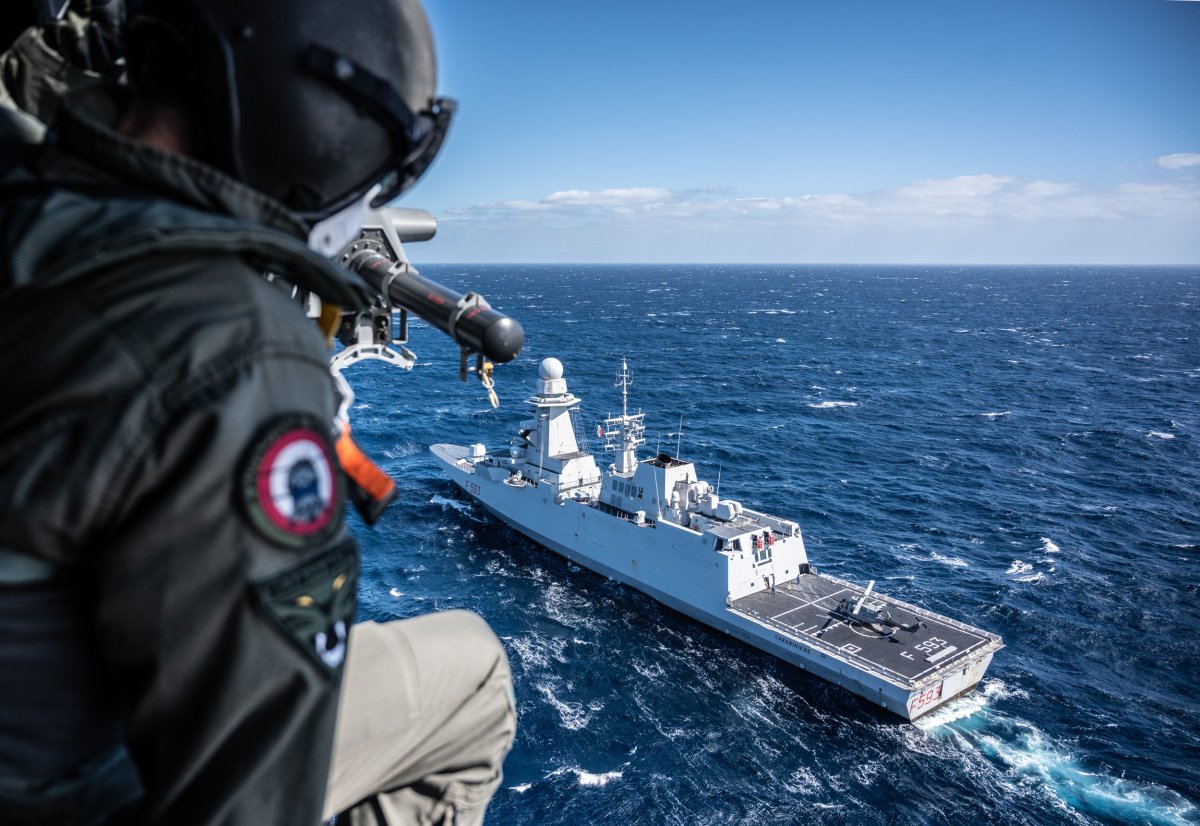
(314, 603)
(291, 486)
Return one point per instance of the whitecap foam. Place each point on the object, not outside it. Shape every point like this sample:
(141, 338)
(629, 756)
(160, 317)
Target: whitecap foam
(456, 504)
(572, 714)
(1049, 547)
(781, 341)
(830, 405)
(587, 778)
(952, 561)
(537, 651)
(996, 415)
(1158, 434)
(956, 709)
(403, 450)
(1035, 758)
(1018, 567)
(395, 592)
(802, 781)
(521, 788)
(987, 694)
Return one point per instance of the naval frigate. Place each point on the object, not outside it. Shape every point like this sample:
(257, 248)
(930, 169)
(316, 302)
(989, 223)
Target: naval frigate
(654, 525)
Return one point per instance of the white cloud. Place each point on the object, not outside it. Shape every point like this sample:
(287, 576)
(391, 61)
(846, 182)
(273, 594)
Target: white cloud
(965, 199)
(610, 197)
(1179, 160)
(983, 218)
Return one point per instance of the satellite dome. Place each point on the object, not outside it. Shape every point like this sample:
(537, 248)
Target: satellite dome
(550, 370)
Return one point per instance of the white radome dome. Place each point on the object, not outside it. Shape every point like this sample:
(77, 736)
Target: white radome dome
(550, 370)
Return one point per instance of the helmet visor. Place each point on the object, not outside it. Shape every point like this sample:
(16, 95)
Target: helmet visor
(416, 137)
(406, 170)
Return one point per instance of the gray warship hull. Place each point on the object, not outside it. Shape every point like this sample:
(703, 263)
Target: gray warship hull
(734, 569)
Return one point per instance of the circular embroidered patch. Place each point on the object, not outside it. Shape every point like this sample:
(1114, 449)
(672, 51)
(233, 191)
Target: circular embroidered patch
(291, 485)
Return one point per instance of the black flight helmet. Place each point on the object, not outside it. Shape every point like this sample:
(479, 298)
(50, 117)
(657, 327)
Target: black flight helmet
(312, 102)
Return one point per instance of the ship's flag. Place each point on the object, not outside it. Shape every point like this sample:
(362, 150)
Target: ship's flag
(599, 432)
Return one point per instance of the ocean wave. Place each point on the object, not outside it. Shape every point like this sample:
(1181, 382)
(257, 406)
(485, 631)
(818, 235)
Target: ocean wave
(573, 715)
(1018, 567)
(996, 415)
(830, 405)
(586, 778)
(802, 781)
(403, 450)
(1158, 434)
(537, 651)
(455, 504)
(952, 561)
(1049, 547)
(1030, 757)
(566, 605)
(960, 708)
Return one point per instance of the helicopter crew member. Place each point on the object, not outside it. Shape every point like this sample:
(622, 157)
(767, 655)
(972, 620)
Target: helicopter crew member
(177, 585)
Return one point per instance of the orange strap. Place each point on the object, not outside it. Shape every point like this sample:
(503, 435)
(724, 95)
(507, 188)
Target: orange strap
(365, 473)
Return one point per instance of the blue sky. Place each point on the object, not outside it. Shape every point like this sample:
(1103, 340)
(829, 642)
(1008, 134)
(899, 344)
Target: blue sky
(897, 131)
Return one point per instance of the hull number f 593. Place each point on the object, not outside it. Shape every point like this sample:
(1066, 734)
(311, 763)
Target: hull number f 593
(925, 698)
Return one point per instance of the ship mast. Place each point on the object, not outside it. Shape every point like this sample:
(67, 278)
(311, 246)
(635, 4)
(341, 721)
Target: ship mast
(623, 382)
(624, 434)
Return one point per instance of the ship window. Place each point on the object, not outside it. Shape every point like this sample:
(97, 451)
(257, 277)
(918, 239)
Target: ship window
(639, 493)
(762, 554)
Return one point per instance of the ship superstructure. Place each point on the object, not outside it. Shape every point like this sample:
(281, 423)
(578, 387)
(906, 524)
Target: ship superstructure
(654, 525)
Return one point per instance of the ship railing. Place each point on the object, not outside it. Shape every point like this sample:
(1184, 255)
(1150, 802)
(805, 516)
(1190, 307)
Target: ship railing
(621, 513)
(784, 526)
(582, 484)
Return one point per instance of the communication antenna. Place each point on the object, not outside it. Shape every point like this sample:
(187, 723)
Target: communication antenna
(624, 381)
(679, 436)
(721, 465)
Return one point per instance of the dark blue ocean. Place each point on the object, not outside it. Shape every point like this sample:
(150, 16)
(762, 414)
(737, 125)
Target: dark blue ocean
(1015, 447)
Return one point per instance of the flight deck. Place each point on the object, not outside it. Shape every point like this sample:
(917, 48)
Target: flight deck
(912, 646)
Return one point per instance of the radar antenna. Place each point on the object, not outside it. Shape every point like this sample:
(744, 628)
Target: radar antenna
(624, 434)
(624, 381)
